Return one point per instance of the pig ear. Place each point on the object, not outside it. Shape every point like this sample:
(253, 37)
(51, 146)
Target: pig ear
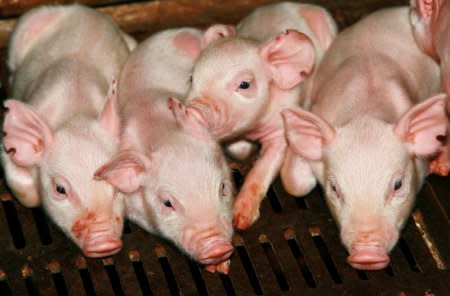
(189, 119)
(26, 134)
(307, 133)
(188, 43)
(126, 171)
(426, 10)
(321, 23)
(216, 32)
(424, 126)
(289, 57)
(109, 117)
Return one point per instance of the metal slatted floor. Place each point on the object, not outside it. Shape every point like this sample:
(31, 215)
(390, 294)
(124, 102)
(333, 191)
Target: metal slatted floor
(293, 249)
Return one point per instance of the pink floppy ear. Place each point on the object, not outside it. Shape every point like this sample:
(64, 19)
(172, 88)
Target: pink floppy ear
(289, 57)
(26, 134)
(425, 9)
(109, 117)
(188, 43)
(321, 23)
(424, 126)
(216, 32)
(423, 16)
(126, 171)
(307, 133)
(189, 119)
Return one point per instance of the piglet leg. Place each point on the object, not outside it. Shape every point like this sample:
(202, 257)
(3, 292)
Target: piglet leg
(296, 175)
(441, 164)
(257, 182)
(222, 267)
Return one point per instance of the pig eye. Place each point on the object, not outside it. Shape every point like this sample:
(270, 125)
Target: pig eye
(397, 185)
(224, 190)
(335, 191)
(60, 189)
(244, 85)
(190, 79)
(167, 204)
(333, 187)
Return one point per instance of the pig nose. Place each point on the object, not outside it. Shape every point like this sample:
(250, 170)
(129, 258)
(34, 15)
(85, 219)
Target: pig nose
(101, 247)
(102, 239)
(368, 256)
(215, 252)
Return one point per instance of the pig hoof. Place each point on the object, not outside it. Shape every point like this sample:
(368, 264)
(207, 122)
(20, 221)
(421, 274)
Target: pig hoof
(443, 170)
(224, 267)
(211, 268)
(245, 218)
(438, 168)
(242, 222)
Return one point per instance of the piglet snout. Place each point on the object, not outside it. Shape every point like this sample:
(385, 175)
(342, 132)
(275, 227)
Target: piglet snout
(104, 246)
(368, 256)
(101, 240)
(215, 251)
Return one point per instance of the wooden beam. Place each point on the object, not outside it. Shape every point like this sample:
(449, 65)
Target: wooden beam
(147, 17)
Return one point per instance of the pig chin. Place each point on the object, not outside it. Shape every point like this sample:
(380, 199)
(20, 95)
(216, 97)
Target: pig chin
(211, 116)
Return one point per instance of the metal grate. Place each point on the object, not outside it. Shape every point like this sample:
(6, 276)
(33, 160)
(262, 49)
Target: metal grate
(294, 249)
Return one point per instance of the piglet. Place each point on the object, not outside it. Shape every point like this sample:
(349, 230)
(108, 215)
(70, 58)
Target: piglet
(241, 83)
(175, 174)
(375, 120)
(431, 27)
(63, 123)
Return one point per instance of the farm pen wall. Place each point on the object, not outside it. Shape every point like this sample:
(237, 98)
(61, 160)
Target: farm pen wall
(293, 249)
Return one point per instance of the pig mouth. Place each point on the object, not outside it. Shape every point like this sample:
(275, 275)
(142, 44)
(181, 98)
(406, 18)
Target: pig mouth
(215, 252)
(209, 115)
(101, 247)
(368, 257)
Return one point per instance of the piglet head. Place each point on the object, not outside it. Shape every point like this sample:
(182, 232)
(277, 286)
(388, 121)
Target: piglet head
(183, 193)
(235, 79)
(86, 210)
(370, 171)
(89, 211)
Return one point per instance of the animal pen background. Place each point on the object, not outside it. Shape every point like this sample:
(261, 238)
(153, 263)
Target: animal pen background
(293, 249)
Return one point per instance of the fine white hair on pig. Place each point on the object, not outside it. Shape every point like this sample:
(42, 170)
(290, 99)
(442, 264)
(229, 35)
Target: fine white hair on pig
(62, 122)
(242, 82)
(376, 119)
(174, 173)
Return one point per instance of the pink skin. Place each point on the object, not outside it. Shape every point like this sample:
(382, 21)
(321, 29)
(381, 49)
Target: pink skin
(97, 236)
(370, 131)
(241, 83)
(431, 22)
(64, 123)
(175, 175)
